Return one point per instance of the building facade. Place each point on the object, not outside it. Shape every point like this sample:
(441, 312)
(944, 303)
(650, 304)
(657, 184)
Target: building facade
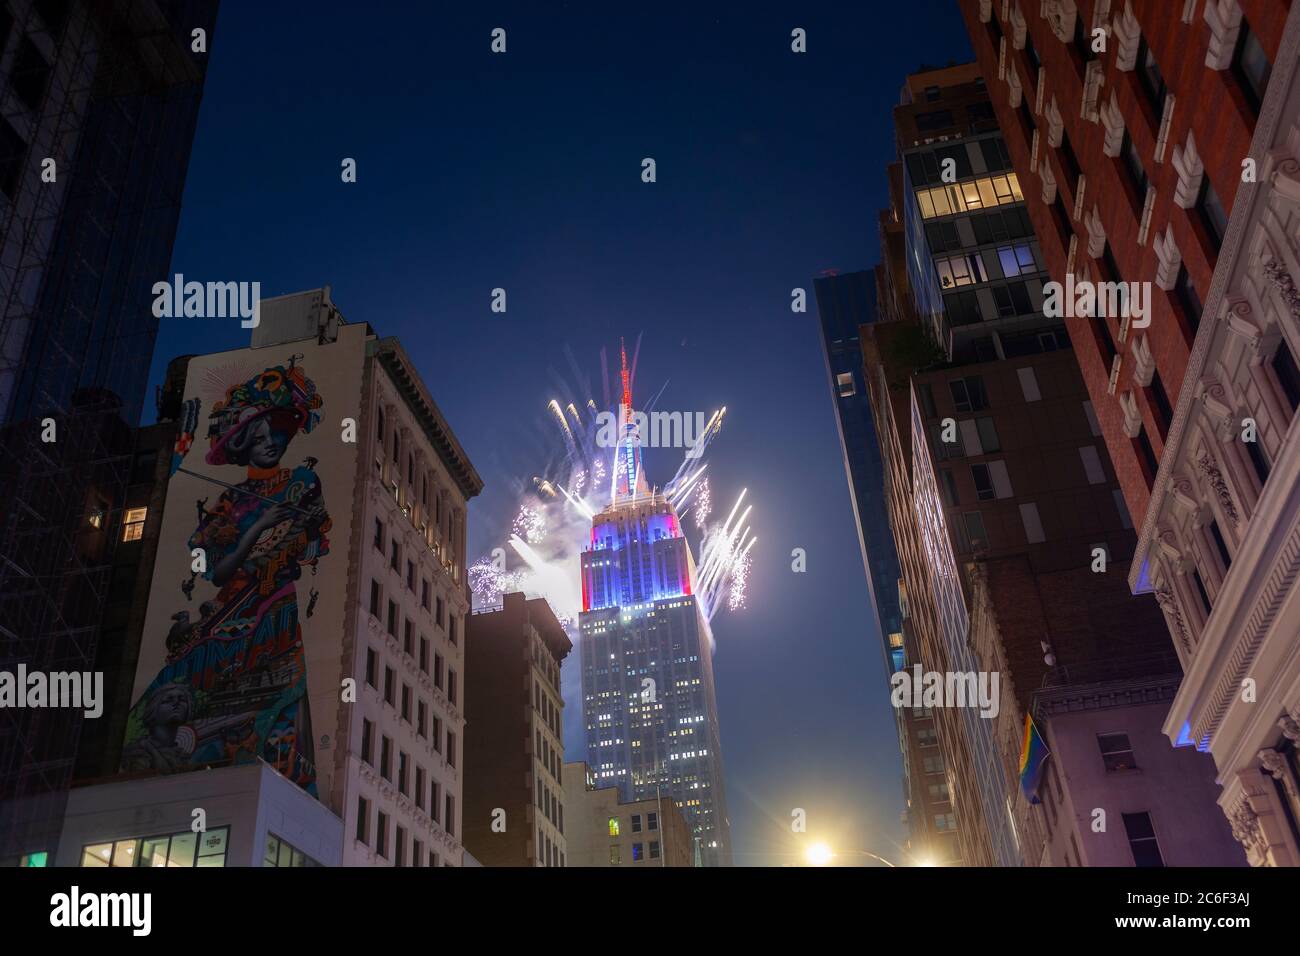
(1018, 538)
(607, 831)
(514, 734)
(109, 94)
(319, 630)
(1184, 140)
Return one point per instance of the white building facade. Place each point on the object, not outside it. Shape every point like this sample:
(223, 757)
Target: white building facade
(1220, 545)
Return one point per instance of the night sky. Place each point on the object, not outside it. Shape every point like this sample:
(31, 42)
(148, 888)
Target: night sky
(523, 171)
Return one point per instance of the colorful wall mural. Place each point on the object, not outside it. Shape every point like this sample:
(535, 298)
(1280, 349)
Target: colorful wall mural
(241, 656)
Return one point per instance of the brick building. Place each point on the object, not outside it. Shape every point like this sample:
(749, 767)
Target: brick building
(1010, 526)
(1164, 155)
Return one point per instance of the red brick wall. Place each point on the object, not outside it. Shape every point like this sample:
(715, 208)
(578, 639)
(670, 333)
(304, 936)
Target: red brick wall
(1209, 102)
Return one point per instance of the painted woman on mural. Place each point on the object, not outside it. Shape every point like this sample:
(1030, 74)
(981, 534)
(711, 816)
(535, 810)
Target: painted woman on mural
(242, 668)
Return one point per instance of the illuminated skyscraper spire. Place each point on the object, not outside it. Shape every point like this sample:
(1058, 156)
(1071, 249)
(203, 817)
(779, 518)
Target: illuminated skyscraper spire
(631, 481)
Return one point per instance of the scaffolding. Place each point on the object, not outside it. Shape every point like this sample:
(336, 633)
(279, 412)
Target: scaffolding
(109, 91)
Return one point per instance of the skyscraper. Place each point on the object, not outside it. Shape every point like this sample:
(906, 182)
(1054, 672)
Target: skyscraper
(100, 102)
(647, 669)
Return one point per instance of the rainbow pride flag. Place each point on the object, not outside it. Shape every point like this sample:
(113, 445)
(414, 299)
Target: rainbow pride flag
(1033, 756)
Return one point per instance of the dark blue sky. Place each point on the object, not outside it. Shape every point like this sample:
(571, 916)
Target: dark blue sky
(523, 171)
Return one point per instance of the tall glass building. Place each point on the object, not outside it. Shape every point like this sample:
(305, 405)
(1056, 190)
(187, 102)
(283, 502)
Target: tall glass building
(648, 701)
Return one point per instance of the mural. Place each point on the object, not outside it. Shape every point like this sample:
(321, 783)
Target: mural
(232, 686)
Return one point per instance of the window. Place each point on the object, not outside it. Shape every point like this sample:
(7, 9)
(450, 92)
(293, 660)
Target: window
(1142, 839)
(372, 668)
(408, 638)
(367, 742)
(976, 536)
(652, 821)
(638, 851)
(945, 822)
(984, 193)
(386, 758)
(968, 393)
(1251, 67)
(926, 737)
(394, 555)
(1225, 557)
(932, 93)
(424, 654)
(1032, 522)
(374, 599)
(1146, 456)
(422, 718)
(844, 382)
(419, 787)
(451, 684)
(406, 702)
(636, 823)
(1188, 298)
(957, 271)
(410, 575)
(1029, 384)
(424, 594)
(399, 845)
(1213, 215)
(938, 119)
(1017, 260)
(933, 764)
(1116, 752)
(1159, 401)
(185, 849)
(392, 618)
(1137, 174)
(390, 684)
(988, 435)
(363, 820)
(451, 749)
(379, 535)
(1199, 583)
(654, 849)
(950, 488)
(437, 670)
(983, 483)
(1288, 375)
(613, 823)
(1092, 465)
(133, 524)
(381, 835)
(1152, 81)
(613, 854)
(449, 807)
(1259, 461)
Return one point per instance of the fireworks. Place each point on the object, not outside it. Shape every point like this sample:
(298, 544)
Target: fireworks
(553, 524)
(530, 524)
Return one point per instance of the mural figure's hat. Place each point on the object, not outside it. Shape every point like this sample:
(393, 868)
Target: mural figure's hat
(286, 395)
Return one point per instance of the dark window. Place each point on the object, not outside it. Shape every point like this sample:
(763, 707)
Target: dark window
(939, 119)
(996, 157)
(381, 837)
(968, 393)
(392, 618)
(1288, 376)
(1142, 839)
(1213, 215)
(1201, 591)
(932, 93)
(1160, 402)
(1116, 752)
(983, 483)
(363, 820)
(1259, 460)
(1152, 81)
(950, 488)
(1137, 173)
(367, 741)
(1220, 545)
(1069, 162)
(1105, 341)
(374, 598)
(1031, 57)
(1188, 298)
(379, 535)
(1251, 67)
(1146, 456)
(389, 686)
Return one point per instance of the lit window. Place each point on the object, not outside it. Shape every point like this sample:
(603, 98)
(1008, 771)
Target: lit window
(133, 526)
(845, 383)
(613, 828)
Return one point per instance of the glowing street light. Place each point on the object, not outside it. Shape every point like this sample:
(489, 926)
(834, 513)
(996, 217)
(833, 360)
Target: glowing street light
(818, 854)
